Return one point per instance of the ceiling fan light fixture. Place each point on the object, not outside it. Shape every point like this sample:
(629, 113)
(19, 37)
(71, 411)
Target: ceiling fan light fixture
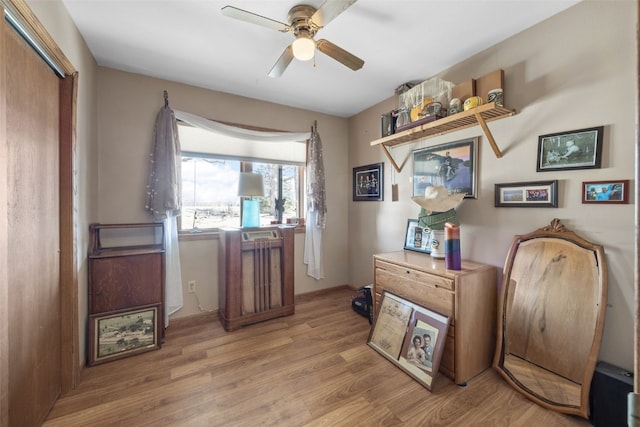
(304, 47)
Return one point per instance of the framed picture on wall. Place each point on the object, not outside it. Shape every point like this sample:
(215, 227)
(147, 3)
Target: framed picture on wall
(534, 194)
(368, 182)
(614, 192)
(577, 149)
(452, 165)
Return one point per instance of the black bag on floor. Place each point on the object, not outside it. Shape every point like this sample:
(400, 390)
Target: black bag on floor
(362, 302)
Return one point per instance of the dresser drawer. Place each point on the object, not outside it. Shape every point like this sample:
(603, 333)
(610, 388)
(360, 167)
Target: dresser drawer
(416, 275)
(424, 293)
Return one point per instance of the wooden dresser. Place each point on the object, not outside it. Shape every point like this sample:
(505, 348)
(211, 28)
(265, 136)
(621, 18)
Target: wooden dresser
(467, 297)
(255, 275)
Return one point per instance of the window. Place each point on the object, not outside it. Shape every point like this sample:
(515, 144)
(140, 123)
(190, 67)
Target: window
(210, 188)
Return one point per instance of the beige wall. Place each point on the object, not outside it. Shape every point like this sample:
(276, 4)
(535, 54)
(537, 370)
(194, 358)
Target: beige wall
(560, 75)
(53, 15)
(127, 106)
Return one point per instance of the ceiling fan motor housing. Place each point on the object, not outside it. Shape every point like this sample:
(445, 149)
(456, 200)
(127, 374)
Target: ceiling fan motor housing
(300, 20)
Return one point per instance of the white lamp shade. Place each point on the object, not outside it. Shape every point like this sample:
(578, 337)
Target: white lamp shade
(250, 184)
(304, 48)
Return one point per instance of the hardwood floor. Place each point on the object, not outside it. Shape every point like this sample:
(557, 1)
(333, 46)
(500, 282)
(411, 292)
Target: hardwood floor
(310, 369)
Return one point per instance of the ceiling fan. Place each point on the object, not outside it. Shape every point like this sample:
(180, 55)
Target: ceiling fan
(304, 22)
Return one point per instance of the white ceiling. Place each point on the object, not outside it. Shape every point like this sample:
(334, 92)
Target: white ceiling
(189, 41)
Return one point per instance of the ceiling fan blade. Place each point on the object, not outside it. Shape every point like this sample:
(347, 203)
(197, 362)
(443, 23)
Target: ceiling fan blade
(243, 15)
(282, 63)
(329, 10)
(339, 54)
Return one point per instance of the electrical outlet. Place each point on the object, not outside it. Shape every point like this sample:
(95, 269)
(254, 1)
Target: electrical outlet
(192, 286)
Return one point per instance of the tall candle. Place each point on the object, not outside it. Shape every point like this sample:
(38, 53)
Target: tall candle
(452, 258)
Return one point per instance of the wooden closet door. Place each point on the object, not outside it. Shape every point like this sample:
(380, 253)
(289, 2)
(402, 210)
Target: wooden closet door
(33, 243)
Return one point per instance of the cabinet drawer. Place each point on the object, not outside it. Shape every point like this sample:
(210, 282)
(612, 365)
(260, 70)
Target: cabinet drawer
(416, 276)
(438, 299)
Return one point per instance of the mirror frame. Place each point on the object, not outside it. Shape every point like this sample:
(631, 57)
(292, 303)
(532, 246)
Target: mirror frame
(532, 379)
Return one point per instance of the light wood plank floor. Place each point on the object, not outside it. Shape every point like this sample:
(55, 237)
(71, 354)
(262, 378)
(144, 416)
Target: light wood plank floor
(310, 369)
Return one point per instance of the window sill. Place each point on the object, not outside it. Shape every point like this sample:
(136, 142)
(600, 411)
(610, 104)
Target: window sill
(187, 236)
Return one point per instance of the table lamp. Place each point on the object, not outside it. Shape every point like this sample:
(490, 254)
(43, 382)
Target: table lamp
(249, 186)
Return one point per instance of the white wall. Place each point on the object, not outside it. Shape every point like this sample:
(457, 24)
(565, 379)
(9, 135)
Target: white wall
(561, 75)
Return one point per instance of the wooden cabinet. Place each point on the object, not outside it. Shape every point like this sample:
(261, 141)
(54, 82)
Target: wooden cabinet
(126, 267)
(467, 297)
(255, 275)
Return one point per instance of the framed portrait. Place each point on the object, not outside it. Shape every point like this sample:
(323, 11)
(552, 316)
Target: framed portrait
(452, 165)
(535, 194)
(410, 336)
(578, 149)
(123, 333)
(613, 192)
(417, 238)
(368, 182)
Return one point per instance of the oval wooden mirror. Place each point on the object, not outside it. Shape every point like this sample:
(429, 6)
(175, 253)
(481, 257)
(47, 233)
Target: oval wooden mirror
(550, 317)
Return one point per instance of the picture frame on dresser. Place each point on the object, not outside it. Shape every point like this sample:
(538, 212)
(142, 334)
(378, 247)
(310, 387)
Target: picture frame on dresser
(417, 238)
(412, 337)
(123, 333)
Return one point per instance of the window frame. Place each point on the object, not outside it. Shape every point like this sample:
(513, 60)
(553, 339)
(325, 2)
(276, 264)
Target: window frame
(245, 166)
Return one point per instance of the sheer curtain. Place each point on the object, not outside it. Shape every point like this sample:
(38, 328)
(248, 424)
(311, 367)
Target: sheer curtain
(164, 200)
(240, 133)
(316, 208)
(316, 196)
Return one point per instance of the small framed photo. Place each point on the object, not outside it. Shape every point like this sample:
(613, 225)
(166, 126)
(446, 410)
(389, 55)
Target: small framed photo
(410, 336)
(417, 238)
(123, 333)
(578, 149)
(535, 194)
(368, 182)
(606, 191)
(452, 165)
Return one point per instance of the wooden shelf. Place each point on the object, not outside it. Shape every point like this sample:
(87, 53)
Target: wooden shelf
(476, 116)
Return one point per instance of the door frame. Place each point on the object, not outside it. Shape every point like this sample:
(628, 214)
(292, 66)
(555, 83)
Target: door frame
(68, 228)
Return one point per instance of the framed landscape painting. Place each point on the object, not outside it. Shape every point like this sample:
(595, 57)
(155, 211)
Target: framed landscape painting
(123, 333)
